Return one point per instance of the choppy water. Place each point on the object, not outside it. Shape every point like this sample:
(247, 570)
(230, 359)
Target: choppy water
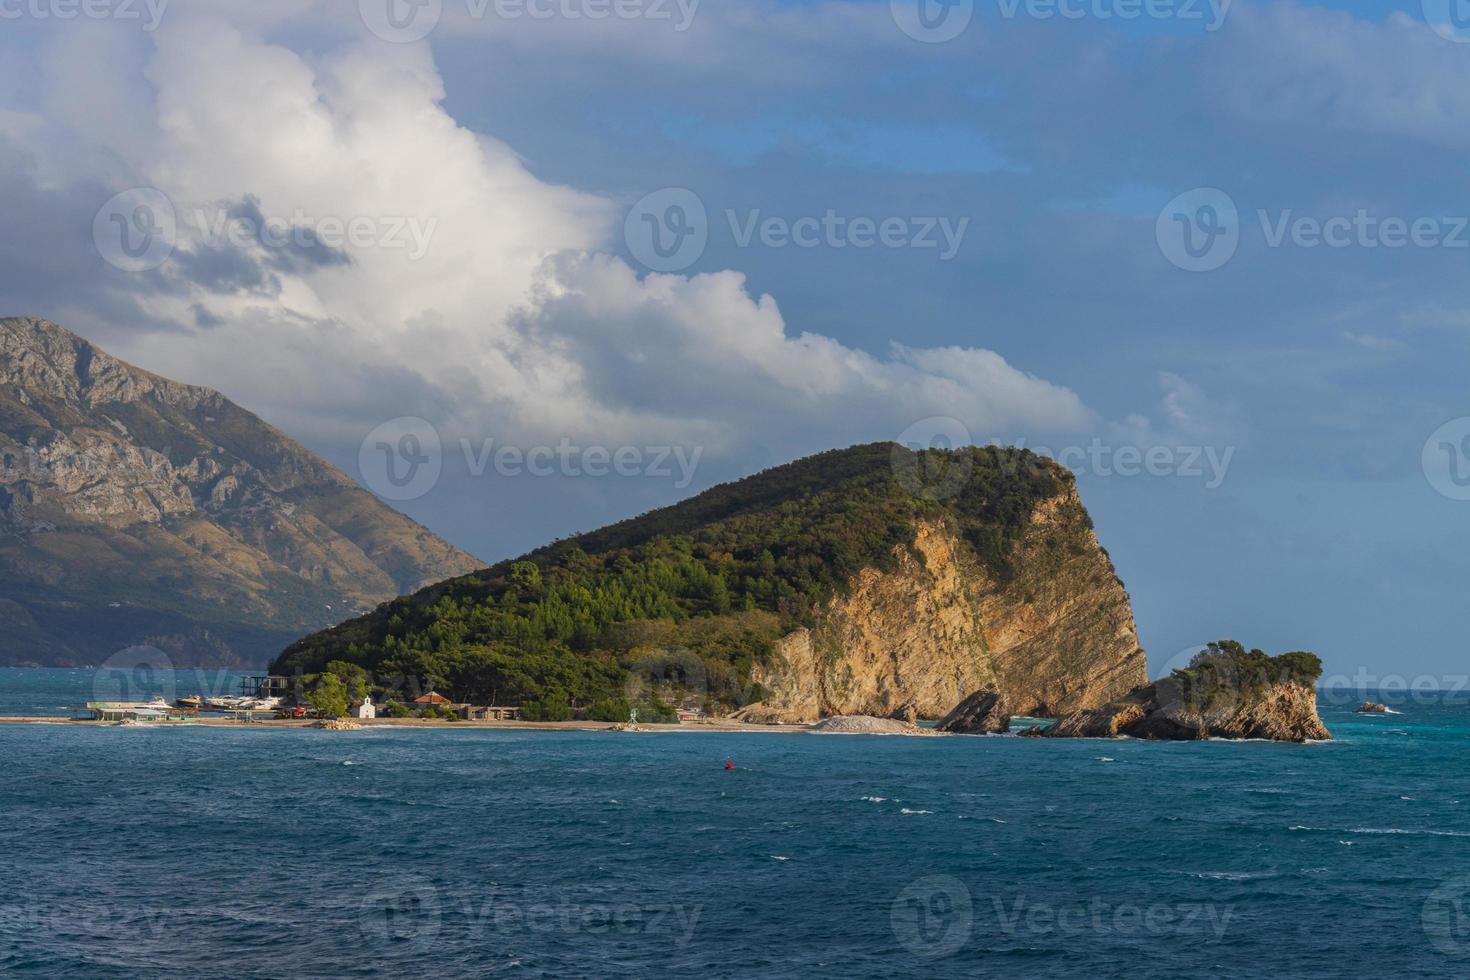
(181, 852)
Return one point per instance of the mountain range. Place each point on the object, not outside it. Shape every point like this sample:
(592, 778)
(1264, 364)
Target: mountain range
(139, 510)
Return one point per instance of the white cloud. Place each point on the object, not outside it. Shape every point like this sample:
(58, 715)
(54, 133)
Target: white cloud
(513, 313)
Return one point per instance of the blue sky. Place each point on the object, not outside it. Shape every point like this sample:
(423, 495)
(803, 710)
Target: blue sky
(1063, 317)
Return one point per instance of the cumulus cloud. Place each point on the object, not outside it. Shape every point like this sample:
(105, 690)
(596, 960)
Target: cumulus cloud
(476, 291)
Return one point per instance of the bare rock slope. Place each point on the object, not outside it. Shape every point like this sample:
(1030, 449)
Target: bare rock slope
(1057, 635)
(135, 509)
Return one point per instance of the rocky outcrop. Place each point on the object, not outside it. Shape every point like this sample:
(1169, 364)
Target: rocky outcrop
(1283, 712)
(982, 713)
(1372, 708)
(138, 510)
(1055, 635)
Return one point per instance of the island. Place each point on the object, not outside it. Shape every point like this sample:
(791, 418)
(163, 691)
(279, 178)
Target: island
(1225, 692)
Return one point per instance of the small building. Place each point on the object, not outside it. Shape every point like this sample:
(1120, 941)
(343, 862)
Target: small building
(690, 715)
(432, 698)
(133, 711)
(264, 685)
(367, 709)
(470, 712)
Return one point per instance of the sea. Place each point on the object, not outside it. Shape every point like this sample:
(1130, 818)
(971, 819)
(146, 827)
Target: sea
(183, 852)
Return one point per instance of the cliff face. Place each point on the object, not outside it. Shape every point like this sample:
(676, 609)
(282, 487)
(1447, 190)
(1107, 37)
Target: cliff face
(1284, 712)
(1056, 635)
(135, 509)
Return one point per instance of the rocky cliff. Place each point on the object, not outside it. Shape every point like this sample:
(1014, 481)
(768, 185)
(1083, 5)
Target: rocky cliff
(1226, 693)
(1054, 635)
(135, 509)
(873, 580)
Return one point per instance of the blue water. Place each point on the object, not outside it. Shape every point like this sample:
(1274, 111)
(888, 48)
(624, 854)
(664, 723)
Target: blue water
(184, 852)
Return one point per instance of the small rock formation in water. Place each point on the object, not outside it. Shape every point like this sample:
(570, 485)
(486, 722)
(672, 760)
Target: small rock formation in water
(982, 713)
(1226, 692)
(1372, 708)
(338, 725)
(867, 725)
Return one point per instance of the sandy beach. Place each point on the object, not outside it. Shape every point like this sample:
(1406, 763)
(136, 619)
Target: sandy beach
(416, 723)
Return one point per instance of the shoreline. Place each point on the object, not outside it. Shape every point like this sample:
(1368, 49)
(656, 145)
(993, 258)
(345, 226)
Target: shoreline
(410, 723)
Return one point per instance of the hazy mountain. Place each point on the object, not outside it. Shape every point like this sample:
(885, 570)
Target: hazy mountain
(138, 510)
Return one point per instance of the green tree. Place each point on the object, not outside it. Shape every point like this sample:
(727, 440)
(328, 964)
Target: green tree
(329, 697)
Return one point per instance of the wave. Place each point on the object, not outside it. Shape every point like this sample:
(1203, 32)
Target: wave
(1383, 830)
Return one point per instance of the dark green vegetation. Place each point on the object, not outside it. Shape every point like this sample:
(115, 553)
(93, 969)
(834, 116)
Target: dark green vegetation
(1226, 667)
(680, 602)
